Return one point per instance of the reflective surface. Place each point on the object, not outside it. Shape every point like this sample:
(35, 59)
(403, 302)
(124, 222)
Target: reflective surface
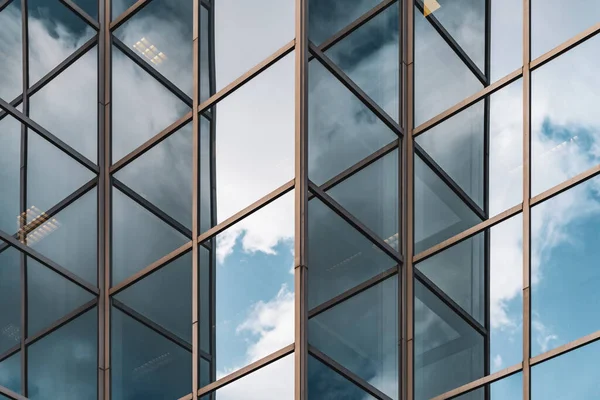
(10, 299)
(563, 299)
(10, 161)
(505, 389)
(11, 79)
(10, 373)
(326, 384)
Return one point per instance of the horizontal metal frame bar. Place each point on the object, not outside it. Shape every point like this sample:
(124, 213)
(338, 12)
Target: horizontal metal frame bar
(355, 223)
(48, 263)
(468, 233)
(453, 44)
(10, 394)
(565, 348)
(157, 212)
(121, 19)
(566, 185)
(140, 62)
(441, 352)
(49, 137)
(346, 373)
(81, 14)
(355, 89)
(340, 298)
(150, 269)
(248, 369)
(4, 4)
(130, 312)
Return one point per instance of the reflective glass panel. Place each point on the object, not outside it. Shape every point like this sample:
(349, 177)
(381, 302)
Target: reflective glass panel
(69, 238)
(11, 78)
(10, 298)
(64, 364)
(141, 106)
(253, 134)
(120, 6)
(341, 129)
(569, 376)
(160, 33)
(505, 389)
(326, 384)
(10, 373)
(138, 237)
(254, 286)
(361, 333)
(564, 267)
(506, 37)
(10, 167)
(565, 128)
(163, 175)
(50, 296)
(247, 32)
(68, 105)
(204, 285)
(89, 6)
(55, 32)
(145, 364)
(272, 382)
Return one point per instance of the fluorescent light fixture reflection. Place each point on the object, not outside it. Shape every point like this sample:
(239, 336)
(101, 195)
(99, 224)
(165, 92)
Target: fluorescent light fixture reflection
(150, 51)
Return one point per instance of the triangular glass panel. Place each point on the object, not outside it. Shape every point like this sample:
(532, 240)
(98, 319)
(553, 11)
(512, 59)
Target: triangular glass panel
(71, 117)
(325, 383)
(138, 237)
(340, 257)
(10, 373)
(361, 334)
(89, 6)
(69, 238)
(163, 175)
(55, 32)
(161, 34)
(64, 364)
(371, 195)
(441, 78)
(11, 45)
(52, 175)
(50, 296)
(439, 212)
(10, 167)
(148, 365)
(10, 298)
(120, 6)
(369, 56)
(174, 283)
(327, 17)
(141, 106)
(341, 130)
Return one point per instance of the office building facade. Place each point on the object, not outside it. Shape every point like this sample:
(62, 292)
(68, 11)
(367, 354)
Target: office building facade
(299, 199)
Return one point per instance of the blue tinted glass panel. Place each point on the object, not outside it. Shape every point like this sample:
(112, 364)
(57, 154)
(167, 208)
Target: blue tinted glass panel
(11, 79)
(10, 298)
(206, 260)
(89, 6)
(120, 6)
(10, 373)
(10, 166)
(326, 384)
(506, 37)
(327, 17)
(505, 389)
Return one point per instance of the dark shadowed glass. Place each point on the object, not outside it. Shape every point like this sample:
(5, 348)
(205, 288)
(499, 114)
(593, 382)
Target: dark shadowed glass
(326, 384)
(505, 389)
(10, 373)
(10, 298)
(11, 48)
(10, 166)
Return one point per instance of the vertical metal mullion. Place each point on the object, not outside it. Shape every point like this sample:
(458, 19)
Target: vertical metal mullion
(195, 194)
(401, 197)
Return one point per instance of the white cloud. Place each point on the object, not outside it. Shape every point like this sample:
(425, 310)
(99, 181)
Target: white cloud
(543, 335)
(497, 362)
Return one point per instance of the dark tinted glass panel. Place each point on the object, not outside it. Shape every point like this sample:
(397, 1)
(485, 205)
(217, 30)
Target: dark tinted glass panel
(139, 237)
(50, 296)
(146, 365)
(569, 376)
(272, 382)
(120, 6)
(141, 106)
(342, 130)
(163, 175)
(327, 17)
(247, 32)
(443, 340)
(505, 389)
(68, 105)
(361, 334)
(555, 21)
(55, 32)
(253, 140)
(207, 212)
(565, 276)
(161, 35)
(326, 384)
(370, 57)
(371, 195)
(89, 6)
(11, 79)
(64, 364)
(173, 309)
(52, 175)
(10, 373)
(206, 67)
(254, 286)
(10, 298)
(204, 300)
(10, 167)
(339, 257)
(564, 122)
(69, 238)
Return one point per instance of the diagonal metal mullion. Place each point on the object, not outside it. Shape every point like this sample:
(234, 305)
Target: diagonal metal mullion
(10, 394)
(157, 212)
(151, 325)
(81, 14)
(4, 4)
(355, 89)
(152, 71)
(130, 12)
(458, 50)
(10, 352)
(346, 373)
